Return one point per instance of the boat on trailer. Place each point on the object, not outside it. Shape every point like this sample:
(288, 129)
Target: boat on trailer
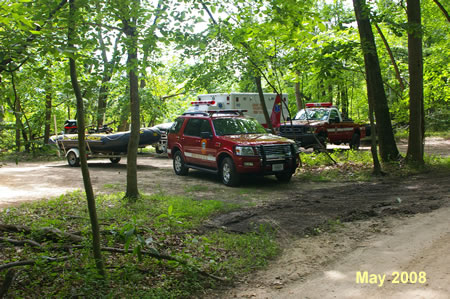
(103, 145)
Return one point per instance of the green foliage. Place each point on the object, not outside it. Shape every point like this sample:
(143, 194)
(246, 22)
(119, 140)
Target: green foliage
(155, 223)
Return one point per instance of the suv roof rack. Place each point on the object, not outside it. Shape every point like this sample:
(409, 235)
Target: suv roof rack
(196, 113)
(228, 111)
(239, 112)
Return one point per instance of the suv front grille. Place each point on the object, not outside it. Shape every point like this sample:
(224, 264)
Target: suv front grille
(275, 151)
(288, 129)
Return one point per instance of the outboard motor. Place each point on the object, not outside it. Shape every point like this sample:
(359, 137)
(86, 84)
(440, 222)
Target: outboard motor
(70, 126)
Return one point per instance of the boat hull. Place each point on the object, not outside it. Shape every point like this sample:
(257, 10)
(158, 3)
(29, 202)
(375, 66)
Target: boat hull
(116, 143)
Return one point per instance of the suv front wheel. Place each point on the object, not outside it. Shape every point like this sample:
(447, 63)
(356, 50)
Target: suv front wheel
(228, 172)
(178, 164)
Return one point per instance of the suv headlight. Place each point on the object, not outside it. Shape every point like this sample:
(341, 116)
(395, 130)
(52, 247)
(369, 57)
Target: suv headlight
(296, 148)
(244, 151)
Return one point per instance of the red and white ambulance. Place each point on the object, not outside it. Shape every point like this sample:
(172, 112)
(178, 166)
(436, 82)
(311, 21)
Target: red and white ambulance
(276, 105)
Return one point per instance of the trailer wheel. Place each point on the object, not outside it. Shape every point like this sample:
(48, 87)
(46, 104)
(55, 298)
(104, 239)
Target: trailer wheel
(72, 159)
(115, 160)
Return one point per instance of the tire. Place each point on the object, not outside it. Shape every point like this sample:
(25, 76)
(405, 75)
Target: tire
(284, 177)
(355, 142)
(72, 159)
(115, 160)
(228, 173)
(179, 166)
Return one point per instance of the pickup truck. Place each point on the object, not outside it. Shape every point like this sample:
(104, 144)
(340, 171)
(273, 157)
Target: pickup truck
(320, 123)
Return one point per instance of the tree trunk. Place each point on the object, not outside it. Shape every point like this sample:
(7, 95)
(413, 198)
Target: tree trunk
(375, 89)
(82, 147)
(444, 11)
(108, 70)
(391, 56)
(17, 113)
(415, 63)
(263, 103)
(344, 99)
(48, 115)
(132, 192)
(298, 96)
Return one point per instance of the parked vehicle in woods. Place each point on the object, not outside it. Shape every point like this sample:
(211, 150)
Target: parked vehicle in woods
(320, 123)
(161, 145)
(227, 143)
(100, 145)
(276, 105)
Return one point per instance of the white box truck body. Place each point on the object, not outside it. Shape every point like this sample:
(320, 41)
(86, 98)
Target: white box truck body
(241, 101)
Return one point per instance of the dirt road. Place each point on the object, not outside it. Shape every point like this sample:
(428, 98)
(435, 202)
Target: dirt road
(327, 266)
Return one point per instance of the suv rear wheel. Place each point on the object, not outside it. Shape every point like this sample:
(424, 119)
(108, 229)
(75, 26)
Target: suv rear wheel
(228, 172)
(178, 164)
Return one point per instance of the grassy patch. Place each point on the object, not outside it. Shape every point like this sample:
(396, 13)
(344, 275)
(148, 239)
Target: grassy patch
(155, 223)
(349, 166)
(404, 134)
(195, 188)
(358, 166)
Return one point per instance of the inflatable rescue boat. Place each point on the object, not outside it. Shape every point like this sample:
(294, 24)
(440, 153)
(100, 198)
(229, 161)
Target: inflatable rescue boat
(116, 143)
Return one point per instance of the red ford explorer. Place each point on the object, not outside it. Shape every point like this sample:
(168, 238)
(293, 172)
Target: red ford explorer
(229, 144)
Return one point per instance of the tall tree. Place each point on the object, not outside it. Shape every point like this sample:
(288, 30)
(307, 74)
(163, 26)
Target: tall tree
(129, 22)
(82, 141)
(416, 104)
(375, 89)
(48, 102)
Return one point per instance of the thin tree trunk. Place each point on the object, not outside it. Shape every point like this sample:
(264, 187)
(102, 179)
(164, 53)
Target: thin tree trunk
(391, 56)
(132, 192)
(444, 11)
(416, 107)
(48, 108)
(375, 89)
(82, 148)
(17, 113)
(109, 67)
(263, 103)
(298, 96)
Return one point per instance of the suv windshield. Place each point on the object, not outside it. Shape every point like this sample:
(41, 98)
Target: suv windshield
(235, 126)
(312, 114)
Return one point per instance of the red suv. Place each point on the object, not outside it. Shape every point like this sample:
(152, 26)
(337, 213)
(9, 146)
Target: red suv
(229, 144)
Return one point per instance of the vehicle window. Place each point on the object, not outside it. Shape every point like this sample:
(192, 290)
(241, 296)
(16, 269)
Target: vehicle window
(178, 123)
(197, 125)
(333, 114)
(205, 126)
(312, 114)
(233, 126)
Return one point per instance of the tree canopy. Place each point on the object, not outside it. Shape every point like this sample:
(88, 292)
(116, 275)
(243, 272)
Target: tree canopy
(184, 48)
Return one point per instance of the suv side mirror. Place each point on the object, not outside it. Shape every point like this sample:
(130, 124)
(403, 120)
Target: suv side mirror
(206, 135)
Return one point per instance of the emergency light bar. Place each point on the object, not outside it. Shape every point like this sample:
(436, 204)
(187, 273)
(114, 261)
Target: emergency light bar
(311, 105)
(203, 103)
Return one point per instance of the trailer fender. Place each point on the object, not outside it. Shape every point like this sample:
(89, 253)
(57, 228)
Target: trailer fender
(75, 151)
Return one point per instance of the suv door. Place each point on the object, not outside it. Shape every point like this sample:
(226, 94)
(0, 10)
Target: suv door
(194, 146)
